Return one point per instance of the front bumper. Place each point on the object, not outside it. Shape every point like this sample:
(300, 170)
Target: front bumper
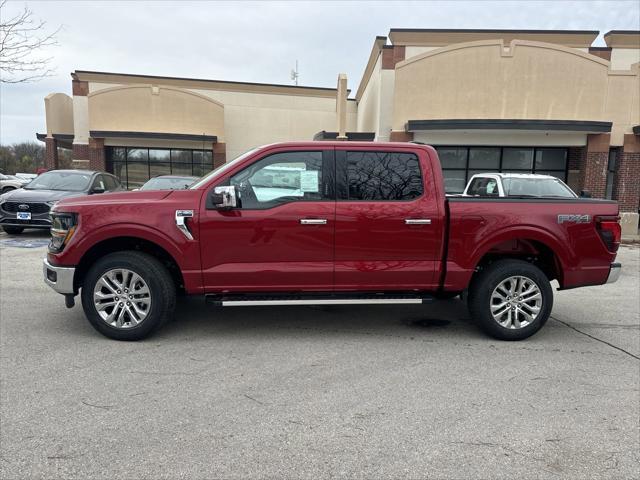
(614, 272)
(59, 278)
(37, 221)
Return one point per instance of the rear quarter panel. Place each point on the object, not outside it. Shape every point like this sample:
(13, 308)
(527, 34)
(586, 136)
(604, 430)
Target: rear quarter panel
(477, 225)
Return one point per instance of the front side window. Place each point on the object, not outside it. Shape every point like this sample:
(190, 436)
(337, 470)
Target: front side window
(281, 178)
(383, 176)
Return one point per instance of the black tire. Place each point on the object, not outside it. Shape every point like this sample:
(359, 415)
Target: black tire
(483, 285)
(161, 287)
(13, 230)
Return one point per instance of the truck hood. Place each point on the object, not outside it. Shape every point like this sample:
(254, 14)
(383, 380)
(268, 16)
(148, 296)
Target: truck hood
(139, 196)
(22, 195)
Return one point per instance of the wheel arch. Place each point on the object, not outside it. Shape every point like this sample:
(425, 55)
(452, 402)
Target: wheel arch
(533, 245)
(128, 243)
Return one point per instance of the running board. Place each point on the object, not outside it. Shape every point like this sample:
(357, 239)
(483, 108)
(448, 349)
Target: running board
(260, 300)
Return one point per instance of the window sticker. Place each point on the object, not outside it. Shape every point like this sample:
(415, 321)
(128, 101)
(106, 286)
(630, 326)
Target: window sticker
(491, 187)
(309, 181)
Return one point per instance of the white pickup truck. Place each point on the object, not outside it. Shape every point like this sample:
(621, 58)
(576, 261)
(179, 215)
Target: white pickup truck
(517, 185)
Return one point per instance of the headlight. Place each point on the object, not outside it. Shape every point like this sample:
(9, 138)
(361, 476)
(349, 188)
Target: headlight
(63, 226)
(51, 203)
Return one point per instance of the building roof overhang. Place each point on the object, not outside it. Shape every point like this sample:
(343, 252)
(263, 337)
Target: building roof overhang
(249, 87)
(351, 136)
(582, 126)
(153, 136)
(636, 130)
(436, 37)
(65, 140)
(623, 38)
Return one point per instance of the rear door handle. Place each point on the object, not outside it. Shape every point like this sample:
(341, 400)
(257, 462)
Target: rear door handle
(313, 221)
(417, 221)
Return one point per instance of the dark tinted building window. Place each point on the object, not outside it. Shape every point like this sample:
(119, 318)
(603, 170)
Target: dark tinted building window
(383, 176)
(460, 163)
(134, 166)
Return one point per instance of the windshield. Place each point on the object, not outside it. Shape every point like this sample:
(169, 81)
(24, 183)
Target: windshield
(536, 187)
(222, 168)
(63, 181)
(168, 183)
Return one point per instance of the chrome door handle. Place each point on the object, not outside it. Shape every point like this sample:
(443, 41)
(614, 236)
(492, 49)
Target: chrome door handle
(313, 221)
(417, 221)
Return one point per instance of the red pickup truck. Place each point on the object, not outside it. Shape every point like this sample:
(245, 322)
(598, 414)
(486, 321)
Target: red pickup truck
(326, 223)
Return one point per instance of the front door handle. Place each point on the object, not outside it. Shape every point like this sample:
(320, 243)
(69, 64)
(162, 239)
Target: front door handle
(417, 221)
(313, 221)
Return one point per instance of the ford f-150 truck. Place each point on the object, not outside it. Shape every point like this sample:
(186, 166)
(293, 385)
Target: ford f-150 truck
(326, 223)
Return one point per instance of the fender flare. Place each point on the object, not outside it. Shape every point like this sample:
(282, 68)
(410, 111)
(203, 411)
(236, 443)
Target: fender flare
(130, 230)
(523, 232)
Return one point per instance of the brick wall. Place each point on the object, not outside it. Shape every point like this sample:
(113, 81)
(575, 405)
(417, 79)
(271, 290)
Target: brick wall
(80, 151)
(595, 174)
(96, 154)
(51, 153)
(401, 137)
(593, 165)
(391, 55)
(627, 183)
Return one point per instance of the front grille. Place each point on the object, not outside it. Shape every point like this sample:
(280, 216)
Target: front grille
(15, 221)
(36, 208)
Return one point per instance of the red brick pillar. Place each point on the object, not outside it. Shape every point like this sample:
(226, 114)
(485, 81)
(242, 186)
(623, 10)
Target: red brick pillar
(50, 153)
(577, 157)
(97, 159)
(219, 154)
(401, 136)
(594, 166)
(627, 183)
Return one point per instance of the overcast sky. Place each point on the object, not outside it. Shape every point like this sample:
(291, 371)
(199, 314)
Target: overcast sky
(259, 42)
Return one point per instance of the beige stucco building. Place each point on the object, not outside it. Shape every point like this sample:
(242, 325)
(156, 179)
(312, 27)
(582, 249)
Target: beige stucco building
(489, 100)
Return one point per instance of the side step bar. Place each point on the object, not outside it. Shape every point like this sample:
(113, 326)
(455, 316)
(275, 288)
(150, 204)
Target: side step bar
(335, 299)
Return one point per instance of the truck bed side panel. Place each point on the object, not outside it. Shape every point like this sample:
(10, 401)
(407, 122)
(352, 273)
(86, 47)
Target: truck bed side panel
(479, 225)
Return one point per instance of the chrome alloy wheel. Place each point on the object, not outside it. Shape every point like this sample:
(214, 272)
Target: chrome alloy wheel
(516, 302)
(122, 298)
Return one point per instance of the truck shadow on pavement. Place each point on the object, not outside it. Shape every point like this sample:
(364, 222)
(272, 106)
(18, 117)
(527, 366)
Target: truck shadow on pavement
(441, 319)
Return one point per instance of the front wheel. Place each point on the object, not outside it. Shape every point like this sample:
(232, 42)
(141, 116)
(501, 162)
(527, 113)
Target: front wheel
(511, 299)
(128, 295)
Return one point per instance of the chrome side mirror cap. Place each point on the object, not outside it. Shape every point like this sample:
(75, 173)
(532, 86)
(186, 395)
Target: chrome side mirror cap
(223, 197)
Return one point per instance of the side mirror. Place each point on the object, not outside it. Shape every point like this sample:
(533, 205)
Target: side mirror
(585, 194)
(223, 197)
(97, 190)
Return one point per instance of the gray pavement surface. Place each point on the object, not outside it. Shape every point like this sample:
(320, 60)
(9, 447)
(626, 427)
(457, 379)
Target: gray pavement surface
(294, 392)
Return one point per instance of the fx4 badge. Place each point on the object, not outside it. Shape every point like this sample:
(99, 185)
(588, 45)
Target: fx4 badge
(574, 218)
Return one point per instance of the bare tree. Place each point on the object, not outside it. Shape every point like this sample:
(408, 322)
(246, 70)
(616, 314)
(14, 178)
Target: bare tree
(21, 38)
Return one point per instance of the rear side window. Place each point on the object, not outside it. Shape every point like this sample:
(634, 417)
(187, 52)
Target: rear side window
(484, 187)
(376, 176)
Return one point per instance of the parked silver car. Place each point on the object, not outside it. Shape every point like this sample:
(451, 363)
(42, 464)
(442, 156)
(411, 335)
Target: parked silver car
(11, 182)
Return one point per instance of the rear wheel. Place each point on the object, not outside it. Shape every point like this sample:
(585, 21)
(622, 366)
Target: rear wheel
(13, 230)
(128, 295)
(511, 299)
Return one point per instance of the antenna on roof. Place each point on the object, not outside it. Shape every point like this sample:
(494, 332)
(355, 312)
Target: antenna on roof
(295, 74)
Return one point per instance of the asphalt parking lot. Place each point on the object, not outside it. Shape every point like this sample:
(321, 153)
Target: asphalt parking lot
(295, 392)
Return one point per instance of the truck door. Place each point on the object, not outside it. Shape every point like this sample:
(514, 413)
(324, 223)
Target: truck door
(388, 223)
(280, 236)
